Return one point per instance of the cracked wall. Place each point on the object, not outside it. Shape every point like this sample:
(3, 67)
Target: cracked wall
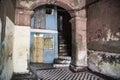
(103, 37)
(103, 30)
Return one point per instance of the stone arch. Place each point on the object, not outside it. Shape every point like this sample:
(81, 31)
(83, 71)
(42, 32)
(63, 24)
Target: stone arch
(78, 20)
(66, 5)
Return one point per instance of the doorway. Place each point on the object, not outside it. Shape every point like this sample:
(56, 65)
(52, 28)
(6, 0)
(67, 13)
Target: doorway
(50, 34)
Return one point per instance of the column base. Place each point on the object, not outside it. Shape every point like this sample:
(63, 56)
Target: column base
(75, 68)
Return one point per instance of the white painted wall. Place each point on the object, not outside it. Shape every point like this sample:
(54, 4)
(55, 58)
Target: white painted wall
(21, 48)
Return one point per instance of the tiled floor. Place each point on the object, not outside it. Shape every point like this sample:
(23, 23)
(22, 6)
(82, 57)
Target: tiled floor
(65, 74)
(47, 72)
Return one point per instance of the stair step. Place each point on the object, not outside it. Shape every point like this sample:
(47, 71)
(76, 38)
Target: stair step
(62, 61)
(63, 42)
(60, 65)
(62, 48)
(63, 53)
(65, 47)
(65, 57)
(62, 45)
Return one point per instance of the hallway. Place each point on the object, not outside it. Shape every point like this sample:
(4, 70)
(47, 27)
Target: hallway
(65, 39)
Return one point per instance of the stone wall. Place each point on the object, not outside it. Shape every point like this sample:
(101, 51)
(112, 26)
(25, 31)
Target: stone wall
(6, 38)
(105, 63)
(103, 36)
(103, 30)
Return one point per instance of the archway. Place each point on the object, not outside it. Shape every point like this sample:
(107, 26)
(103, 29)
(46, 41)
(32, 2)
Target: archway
(50, 28)
(79, 48)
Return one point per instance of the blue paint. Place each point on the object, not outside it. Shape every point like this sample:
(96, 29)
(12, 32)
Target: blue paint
(51, 20)
(51, 54)
(32, 22)
(48, 54)
(31, 46)
(51, 24)
(56, 45)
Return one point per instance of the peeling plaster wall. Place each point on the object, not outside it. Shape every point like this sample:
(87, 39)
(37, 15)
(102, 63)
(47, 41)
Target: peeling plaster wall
(6, 38)
(21, 48)
(103, 30)
(103, 37)
(105, 63)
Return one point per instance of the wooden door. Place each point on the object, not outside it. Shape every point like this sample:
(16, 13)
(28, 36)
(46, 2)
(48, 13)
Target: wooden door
(38, 46)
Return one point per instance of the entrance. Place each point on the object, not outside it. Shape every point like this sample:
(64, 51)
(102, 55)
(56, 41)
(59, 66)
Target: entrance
(50, 34)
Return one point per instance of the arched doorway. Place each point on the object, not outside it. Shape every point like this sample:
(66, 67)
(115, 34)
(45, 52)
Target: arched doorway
(23, 13)
(50, 34)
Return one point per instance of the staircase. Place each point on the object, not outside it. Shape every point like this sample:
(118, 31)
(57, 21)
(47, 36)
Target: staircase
(64, 50)
(64, 45)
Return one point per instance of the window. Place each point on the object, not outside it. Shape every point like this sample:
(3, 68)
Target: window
(48, 11)
(48, 42)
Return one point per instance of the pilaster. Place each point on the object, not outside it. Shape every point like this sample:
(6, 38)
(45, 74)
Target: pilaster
(22, 17)
(79, 43)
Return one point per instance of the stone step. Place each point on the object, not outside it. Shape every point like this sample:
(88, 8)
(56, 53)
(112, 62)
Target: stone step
(63, 42)
(62, 61)
(63, 50)
(65, 57)
(60, 65)
(63, 45)
(63, 54)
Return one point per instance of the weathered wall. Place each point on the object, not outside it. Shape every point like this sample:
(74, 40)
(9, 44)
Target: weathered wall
(78, 21)
(105, 63)
(103, 30)
(103, 36)
(21, 49)
(6, 41)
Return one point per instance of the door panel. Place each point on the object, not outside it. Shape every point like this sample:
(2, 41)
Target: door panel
(45, 47)
(38, 45)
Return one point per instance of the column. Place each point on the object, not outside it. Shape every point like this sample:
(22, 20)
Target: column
(79, 43)
(22, 17)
